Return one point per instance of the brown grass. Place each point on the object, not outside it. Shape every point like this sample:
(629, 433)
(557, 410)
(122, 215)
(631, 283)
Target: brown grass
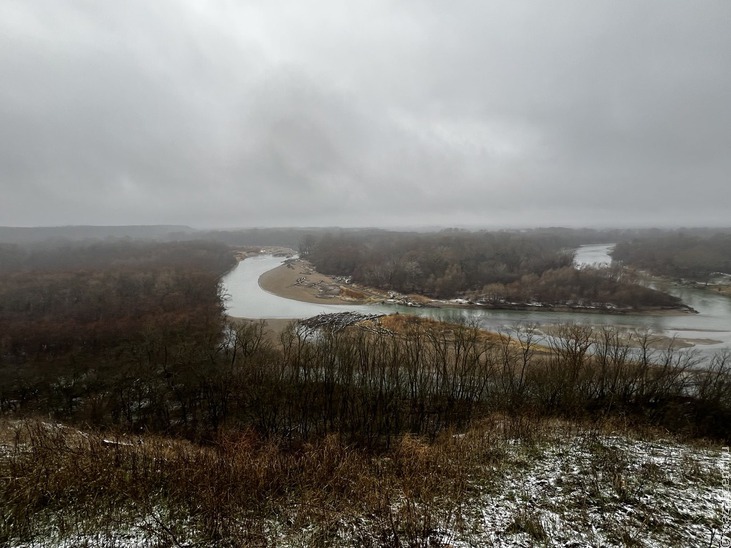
(59, 483)
(55, 477)
(406, 324)
(348, 293)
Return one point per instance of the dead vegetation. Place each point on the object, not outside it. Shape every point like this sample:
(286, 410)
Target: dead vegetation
(504, 481)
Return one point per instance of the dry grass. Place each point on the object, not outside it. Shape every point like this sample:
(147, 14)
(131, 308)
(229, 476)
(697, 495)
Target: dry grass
(348, 293)
(515, 480)
(358, 438)
(60, 481)
(405, 324)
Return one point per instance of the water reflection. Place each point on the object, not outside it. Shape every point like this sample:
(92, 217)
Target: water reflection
(248, 300)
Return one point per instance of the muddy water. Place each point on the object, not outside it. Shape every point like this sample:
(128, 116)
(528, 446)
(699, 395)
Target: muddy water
(710, 329)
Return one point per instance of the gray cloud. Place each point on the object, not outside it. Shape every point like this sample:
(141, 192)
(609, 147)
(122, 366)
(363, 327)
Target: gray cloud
(364, 113)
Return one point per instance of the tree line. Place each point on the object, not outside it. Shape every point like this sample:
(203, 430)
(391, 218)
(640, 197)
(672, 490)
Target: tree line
(371, 386)
(494, 267)
(679, 254)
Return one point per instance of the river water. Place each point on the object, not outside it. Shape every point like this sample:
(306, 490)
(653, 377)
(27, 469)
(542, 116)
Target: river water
(595, 255)
(710, 329)
(246, 298)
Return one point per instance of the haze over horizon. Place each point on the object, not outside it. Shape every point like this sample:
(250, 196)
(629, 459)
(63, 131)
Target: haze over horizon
(280, 113)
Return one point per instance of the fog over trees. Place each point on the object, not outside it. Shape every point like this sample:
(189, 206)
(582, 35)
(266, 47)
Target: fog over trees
(695, 255)
(491, 267)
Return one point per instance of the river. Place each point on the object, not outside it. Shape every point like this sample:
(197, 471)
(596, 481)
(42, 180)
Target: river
(710, 329)
(246, 298)
(595, 255)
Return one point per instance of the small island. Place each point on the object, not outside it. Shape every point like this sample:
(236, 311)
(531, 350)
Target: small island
(298, 280)
(476, 270)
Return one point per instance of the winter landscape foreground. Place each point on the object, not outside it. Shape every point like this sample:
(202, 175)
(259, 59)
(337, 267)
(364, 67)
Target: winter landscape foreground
(501, 483)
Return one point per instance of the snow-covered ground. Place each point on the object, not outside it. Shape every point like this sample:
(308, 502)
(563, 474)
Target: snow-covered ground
(606, 491)
(570, 490)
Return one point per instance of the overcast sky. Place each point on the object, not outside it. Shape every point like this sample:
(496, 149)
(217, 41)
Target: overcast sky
(355, 113)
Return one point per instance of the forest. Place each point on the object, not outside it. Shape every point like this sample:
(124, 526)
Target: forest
(133, 335)
(496, 268)
(693, 255)
(74, 316)
(126, 394)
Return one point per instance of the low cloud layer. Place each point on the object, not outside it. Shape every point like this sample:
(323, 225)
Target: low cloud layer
(365, 113)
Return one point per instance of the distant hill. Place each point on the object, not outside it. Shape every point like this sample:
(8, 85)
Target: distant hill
(284, 236)
(23, 235)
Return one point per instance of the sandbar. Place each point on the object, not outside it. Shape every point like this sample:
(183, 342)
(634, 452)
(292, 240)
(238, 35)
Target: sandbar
(297, 280)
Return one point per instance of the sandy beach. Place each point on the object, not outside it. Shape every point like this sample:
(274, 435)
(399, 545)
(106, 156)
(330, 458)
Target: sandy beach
(296, 279)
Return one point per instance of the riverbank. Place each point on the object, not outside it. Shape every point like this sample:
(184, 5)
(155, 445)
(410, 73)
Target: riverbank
(720, 288)
(296, 279)
(280, 293)
(647, 311)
